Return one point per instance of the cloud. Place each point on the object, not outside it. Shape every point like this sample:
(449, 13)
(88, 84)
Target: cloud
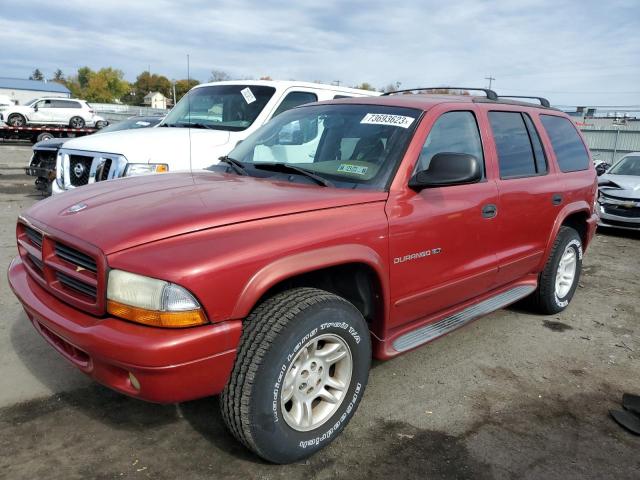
(573, 52)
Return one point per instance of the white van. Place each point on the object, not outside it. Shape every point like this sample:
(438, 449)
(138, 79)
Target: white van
(206, 124)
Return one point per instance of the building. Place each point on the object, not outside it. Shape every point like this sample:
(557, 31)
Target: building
(21, 91)
(156, 100)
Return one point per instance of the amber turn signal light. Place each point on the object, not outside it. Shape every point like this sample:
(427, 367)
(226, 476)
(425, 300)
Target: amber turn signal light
(187, 318)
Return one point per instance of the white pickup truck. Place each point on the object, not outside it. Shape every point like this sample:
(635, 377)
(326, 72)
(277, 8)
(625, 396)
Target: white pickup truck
(206, 124)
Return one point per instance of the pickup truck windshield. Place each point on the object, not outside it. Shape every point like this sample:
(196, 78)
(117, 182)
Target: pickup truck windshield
(220, 107)
(350, 146)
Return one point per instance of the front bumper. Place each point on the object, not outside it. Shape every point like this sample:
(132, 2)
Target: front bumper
(170, 365)
(618, 221)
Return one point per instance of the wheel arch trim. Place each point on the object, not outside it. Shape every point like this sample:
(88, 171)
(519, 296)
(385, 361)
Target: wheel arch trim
(305, 262)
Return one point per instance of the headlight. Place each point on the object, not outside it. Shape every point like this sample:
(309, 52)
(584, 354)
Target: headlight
(134, 169)
(152, 302)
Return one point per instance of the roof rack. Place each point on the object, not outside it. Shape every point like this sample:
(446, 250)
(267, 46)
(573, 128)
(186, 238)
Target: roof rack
(491, 95)
(543, 101)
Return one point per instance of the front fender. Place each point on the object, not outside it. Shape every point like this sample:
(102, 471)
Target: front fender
(308, 261)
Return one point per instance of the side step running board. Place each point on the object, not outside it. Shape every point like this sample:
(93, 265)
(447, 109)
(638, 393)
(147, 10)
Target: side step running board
(434, 330)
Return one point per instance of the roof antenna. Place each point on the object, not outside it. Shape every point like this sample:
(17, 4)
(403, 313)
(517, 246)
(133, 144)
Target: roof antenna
(189, 116)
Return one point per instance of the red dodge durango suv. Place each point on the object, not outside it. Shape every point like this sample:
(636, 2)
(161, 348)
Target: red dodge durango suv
(338, 232)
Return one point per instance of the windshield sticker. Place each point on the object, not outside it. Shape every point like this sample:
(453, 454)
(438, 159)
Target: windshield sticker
(358, 170)
(384, 119)
(248, 95)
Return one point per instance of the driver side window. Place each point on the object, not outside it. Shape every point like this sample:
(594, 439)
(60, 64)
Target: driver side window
(453, 132)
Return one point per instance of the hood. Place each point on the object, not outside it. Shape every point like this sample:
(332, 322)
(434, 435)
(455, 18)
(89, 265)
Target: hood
(119, 214)
(155, 145)
(51, 144)
(620, 186)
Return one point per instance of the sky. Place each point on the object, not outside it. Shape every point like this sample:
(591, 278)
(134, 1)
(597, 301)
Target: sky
(572, 52)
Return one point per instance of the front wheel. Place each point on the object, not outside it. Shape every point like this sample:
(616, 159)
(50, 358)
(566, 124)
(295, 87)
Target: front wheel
(561, 274)
(301, 371)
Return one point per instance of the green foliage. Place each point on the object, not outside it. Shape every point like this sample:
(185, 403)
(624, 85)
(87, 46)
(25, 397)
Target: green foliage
(146, 83)
(107, 85)
(183, 86)
(37, 75)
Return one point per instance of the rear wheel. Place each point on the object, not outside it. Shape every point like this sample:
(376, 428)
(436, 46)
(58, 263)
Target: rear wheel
(76, 122)
(561, 274)
(300, 373)
(16, 120)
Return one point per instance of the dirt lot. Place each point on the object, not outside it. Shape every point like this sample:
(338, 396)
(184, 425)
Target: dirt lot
(512, 395)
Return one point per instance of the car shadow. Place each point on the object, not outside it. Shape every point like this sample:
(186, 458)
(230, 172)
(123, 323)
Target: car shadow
(619, 232)
(73, 389)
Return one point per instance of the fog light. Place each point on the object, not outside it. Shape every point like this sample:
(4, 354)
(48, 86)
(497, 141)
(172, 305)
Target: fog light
(134, 381)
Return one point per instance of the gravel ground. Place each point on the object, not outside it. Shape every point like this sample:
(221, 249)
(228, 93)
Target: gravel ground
(513, 395)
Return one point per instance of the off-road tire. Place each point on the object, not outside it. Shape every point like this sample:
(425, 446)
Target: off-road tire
(16, 120)
(272, 334)
(76, 122)
(545, 299)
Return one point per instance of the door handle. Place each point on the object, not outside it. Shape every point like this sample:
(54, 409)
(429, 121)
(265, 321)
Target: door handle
(556, 199)
(489, 210)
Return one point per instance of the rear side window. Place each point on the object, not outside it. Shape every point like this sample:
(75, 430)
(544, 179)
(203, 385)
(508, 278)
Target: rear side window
(570, 151)
(453, 132)
(294, 99)
(520, 152)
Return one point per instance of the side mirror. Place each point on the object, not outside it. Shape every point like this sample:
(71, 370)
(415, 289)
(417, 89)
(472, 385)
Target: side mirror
(448, 169)
(35, 108)
(601, 168)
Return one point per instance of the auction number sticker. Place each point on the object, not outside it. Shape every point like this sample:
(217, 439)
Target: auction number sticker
(385, 119)
(358, 170)
(248, 95)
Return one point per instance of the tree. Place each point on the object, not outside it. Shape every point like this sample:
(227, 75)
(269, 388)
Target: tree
(392, 87)
(183, 86)
(266, 77)
(145, 83)
(58, 76)
(106, 85)
(219, 76)
(37, 75)
(365, 86)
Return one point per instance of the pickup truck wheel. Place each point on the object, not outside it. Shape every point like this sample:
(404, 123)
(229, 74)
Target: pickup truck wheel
(300, 373)
(561, 274)
(76, 122)
(16, 120)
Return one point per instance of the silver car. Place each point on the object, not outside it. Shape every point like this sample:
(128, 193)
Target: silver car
(619, 196)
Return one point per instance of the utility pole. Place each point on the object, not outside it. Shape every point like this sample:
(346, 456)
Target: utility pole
(491, 79)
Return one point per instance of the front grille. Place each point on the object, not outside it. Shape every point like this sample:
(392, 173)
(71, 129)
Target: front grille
(37, 263)
(102, 172)
(75, 257)
(76, 276)
(79, 169)
(77, 285)
(621, 211)
(34, 236)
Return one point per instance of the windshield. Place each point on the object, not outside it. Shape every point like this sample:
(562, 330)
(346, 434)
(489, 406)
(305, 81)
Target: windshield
(351, 146)
(626, 166)
(31, 102)
(131, 123)
(221, 107)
